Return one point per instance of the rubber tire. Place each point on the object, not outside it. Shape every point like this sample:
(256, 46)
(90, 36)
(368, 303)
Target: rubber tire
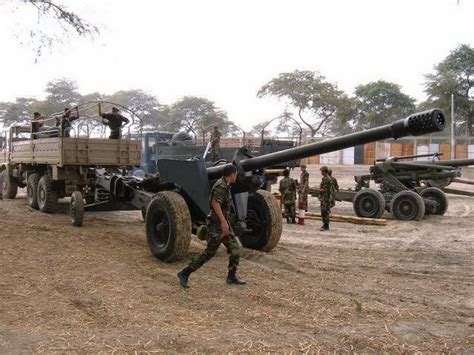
(414, 199)
(433, 193)
(376, 197)
(76, 209)
(49, 202)
(32, 190)
(438, 183)
(264, 209)
(173, 207)
(10, 187)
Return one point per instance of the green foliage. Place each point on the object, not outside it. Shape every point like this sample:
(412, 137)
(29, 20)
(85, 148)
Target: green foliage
(454, 75)
(198, 115)
(20, 111)
(380, 103)
(61, 93)
(315, 100)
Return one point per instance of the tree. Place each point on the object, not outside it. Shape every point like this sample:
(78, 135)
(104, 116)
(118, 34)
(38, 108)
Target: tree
(454, 75)
(380, 103)
(314, 99)
(18, 112)
(198, 115)
(61, 93)
(42, 31)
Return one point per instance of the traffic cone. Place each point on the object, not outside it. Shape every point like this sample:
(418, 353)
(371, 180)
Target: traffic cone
(301, 212)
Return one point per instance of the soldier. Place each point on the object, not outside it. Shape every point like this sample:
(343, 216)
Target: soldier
(304, 186)
(35, 124)
(115, 121)
(325, 197)
(64, 123)
(2, 179)
(219, 230)
(288, 196)
(215, 143)
(335, 187)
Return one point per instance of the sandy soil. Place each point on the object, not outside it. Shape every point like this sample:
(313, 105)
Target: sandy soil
(404, 287)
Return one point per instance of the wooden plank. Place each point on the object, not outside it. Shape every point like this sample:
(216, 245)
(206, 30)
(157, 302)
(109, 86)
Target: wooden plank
(369, 153)
(349, 219)
(461, 151)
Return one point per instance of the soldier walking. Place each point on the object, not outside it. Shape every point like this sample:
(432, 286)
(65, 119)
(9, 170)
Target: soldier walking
(304, 186)
(335, 187)
(288, 196)
(219, 230)
(115, 121)
(215, 143)
(325, 197)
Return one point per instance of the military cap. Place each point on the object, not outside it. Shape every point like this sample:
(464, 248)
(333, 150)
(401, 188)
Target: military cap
(324, 168)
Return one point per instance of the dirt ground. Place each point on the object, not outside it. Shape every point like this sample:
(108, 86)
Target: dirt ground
(404, 287)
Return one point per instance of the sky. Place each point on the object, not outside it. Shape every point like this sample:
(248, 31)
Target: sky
(226, 50)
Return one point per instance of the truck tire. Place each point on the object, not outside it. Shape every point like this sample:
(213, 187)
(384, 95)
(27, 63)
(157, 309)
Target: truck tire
(10, 187)
(438, 196)
(76, 209)
(263, 222)
(369, 203)
(168, 226)
(407, 206)
(32, 190)
(47, 197)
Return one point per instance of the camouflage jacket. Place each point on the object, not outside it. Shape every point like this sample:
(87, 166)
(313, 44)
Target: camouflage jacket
(335, 184)
(304, 181)
(215, 138)
(287, 190)
(327, 187)
(220, 192)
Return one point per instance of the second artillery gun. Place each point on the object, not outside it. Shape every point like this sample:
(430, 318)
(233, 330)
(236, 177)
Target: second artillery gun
(398, 178)
(177, 201)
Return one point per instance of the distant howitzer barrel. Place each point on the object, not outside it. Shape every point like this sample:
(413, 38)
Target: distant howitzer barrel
(454, 163)
(417, 124)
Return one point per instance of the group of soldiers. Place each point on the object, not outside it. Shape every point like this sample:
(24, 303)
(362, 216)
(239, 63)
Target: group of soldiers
(114, 120)
(290, 187)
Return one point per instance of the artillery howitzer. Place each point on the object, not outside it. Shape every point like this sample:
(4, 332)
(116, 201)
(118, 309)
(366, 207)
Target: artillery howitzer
(406, 188)
(176, 202)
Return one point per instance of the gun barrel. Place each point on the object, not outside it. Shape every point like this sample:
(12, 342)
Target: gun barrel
(420, 123)
(453, 163)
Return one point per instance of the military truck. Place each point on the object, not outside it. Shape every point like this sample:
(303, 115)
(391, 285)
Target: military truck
(52, 166)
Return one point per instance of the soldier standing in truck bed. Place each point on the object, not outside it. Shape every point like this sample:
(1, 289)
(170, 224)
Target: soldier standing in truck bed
(64, 123)
(115, 121)
(36, 124)
(288, 196)
(304, 186)
(219, 230)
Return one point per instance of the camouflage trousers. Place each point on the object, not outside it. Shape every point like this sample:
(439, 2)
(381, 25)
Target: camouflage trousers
(214, 152)
(214, 240)
(290, 210)
(325, 211)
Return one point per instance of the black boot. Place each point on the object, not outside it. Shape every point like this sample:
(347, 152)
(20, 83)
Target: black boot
(288, 220)
(233, 279)
(183, 276)
(325, 227)
(293, 220)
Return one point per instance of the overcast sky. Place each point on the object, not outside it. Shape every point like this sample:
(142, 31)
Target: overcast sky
(226, 50)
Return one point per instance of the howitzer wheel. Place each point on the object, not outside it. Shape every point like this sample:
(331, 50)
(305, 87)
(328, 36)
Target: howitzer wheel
(47, 197)
(32, 190)
(435, 195)
(369, 203)
(407, 206)
(168, 226)
(10, 186)
(263, 222)
(76, 209)
(439, 183)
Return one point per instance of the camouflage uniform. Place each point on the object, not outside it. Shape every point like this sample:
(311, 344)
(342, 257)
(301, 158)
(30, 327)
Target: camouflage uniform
(215, 145)
(304, 188)
(220, 193)
(115, 122)
(335, 187)
(288, 196)
(325, 198)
